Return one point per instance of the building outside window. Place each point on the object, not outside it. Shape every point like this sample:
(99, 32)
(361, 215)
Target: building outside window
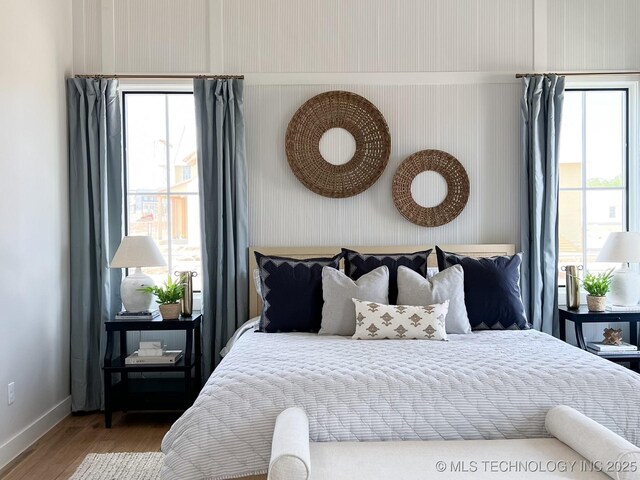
(594, 163)
(162, 197)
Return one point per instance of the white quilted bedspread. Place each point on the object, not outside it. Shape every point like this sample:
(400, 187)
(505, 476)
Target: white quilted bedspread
(490, 385)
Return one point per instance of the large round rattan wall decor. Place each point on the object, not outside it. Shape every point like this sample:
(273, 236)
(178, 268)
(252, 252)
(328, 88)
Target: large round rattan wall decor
(457, 188)
(360, 118)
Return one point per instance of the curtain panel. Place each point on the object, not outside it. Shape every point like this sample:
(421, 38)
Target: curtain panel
(223, 209)
(95, 205)
(541, 112)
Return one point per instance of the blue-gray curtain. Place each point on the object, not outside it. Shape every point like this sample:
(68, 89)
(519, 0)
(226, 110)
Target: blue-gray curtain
(541, 111)
(223, 210)
(95, 205)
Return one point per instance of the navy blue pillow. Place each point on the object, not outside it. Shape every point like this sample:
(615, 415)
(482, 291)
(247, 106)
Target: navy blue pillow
(357, 264)
(491, 290)
(292, 292)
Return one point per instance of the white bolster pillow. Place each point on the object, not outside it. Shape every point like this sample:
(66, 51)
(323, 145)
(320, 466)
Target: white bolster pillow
(616, 457)
(290, 457)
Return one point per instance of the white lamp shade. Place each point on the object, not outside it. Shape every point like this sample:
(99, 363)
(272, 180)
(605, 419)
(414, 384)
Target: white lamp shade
(137, 251)
(621, 247)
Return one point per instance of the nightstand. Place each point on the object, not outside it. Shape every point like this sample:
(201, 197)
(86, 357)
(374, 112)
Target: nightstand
(155, 392)
(583, 315)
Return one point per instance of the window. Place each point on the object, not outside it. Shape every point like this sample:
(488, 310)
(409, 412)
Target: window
(593, 174)
(162, 178)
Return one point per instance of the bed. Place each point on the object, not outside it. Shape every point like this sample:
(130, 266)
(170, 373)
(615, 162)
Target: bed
(485, 385)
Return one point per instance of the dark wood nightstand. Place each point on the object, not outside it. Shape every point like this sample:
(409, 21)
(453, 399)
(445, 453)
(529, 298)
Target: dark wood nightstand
(161, 393)
(583, 315)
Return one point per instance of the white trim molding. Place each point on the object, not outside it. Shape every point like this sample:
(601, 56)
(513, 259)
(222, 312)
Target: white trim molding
(338, 78)
(20, 442)
(381, 78)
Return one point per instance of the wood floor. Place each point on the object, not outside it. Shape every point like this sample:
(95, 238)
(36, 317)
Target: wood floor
(57, 455)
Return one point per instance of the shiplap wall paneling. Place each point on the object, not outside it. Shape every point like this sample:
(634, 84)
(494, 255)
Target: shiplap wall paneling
(87, 38)
(475, 123)
(161, 35)
(593, 35)
(273, 36)
(377, 36)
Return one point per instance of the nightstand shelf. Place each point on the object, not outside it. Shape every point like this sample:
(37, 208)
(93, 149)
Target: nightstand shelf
(582, 315)
(118, 365)
(157, 391)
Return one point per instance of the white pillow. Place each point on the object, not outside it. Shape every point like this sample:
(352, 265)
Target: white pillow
(338, 313)
(414, 289)
(376, 321)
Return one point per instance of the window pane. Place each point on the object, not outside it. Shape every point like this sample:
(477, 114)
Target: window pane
(570, 156)
(185, 223)
(605, 138)
(146, 143)
(593, 141)
(182, 138)
(570, 230)
(605, 214)
(162, 199)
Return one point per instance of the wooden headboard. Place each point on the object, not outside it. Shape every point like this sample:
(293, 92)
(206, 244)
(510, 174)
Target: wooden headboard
(255, 304)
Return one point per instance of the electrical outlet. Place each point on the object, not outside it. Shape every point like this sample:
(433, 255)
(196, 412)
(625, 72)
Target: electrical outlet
(11, 393)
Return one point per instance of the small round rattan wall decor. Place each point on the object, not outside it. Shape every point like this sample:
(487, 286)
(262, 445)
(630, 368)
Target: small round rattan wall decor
(358, 116)
(457, 188)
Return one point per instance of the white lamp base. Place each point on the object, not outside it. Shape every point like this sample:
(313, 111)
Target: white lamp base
(132, 298)
(625, 288)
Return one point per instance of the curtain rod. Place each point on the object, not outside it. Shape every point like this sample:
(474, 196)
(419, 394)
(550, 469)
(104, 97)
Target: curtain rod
(115, 75)
(569, 74)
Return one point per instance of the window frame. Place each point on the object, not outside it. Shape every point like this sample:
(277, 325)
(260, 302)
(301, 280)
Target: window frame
(584, 188)
(632, 174)
(135, 88)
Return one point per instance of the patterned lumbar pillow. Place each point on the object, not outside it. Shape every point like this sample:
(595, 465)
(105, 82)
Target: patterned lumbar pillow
(376, 321)
(338, 290)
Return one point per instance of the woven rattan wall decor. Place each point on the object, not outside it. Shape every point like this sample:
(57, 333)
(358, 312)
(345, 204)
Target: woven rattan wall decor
(457, 188)
(358, 116)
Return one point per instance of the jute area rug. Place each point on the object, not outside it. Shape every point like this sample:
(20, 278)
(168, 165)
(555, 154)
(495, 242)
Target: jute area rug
(120, 466)
(125, 466)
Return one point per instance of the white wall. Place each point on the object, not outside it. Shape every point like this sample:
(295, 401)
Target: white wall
(36, 52)
(441, 72)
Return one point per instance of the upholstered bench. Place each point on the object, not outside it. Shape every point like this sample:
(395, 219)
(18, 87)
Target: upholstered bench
(579, 449)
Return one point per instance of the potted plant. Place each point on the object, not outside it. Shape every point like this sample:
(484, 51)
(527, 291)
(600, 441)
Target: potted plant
(597, 287)
(168, 297)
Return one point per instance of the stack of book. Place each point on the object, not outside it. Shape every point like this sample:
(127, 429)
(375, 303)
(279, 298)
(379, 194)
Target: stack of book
(620, 308)
(153, 352)
(145, 315)
(624, 348)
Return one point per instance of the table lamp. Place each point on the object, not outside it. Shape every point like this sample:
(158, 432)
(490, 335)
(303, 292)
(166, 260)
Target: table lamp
(137, 252)
(623, 247)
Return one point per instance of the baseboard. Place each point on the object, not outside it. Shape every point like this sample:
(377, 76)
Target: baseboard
(31, 434)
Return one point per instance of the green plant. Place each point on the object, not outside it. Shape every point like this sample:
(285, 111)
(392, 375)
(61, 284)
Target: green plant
(170, 292)
(597, 285)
